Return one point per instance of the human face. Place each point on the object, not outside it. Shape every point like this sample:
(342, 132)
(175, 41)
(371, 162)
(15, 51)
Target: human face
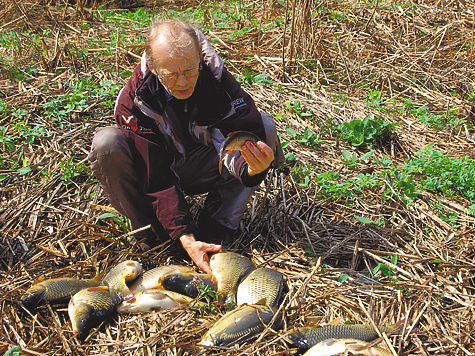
(185, 68)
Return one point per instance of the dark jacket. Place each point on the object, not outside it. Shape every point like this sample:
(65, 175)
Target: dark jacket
(161, 129)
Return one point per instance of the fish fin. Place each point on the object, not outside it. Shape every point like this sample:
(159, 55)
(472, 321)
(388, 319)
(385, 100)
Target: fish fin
(129, 298)
(230, 151)
(98, 288)
(231, 134)
(159, 282)
(99, 277)
(39, 279)
(262, 301)
(336, 321)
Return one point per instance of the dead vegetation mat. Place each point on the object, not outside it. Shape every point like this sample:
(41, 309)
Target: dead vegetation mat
(423, 50)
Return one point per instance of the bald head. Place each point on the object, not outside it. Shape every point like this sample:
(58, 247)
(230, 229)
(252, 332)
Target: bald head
(175, 39)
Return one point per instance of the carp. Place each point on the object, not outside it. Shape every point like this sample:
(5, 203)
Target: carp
(117, 278)
(234, 142)
(88, 308)
(55, 290)
(152, 278)
(307, 337)
(240, 324)
(153, 299)
(189, 284)
(261, 284)
(230, 269)
(332, 347)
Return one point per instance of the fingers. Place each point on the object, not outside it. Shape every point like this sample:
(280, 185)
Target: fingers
(204, 264)
(258, 157)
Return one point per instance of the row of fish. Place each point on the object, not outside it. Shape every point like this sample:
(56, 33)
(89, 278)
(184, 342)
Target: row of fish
(124, 289)
(252, 293)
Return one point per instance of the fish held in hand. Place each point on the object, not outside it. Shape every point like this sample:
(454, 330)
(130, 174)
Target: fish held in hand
(117, 278)
(234, 142)
(55, 290)
(230, 269)
(261, 284)
(189, 284)
(332, 347)
(88, 308)
(307, 337)
(239, 325)
(152, 278)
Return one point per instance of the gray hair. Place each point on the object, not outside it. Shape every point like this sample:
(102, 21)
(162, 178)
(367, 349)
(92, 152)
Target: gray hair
(176, 31)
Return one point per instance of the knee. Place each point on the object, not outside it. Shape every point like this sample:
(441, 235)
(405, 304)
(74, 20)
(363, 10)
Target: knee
(108, 140)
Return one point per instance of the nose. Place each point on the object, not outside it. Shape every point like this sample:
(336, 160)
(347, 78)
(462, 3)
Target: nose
(181, 80)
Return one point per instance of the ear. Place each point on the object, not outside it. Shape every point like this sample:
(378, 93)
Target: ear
(150, 68)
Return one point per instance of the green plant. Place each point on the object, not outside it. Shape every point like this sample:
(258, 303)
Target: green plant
(350, 159)
(251, 79)
(374, 100)
(302, 174)
(438, 172)
(296, 107)
(360, 133)
(307, 137)
(71, 169)
(119, 219)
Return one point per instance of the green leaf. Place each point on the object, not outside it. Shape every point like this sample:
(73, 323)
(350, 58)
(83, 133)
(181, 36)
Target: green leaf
(394, 260)
(346, 155)
(23, 170)
(279, 117)
(363, 220)
(285, 144)
(14, 351)
(343, 277)
(108, 216)
(367, 155)
(291, 132)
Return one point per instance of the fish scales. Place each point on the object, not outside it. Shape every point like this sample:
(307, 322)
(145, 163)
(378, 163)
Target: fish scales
(239, 325)
(56, 290)
(331, 347)
(117, 278)
(88, 308)
(230, 269)
(307, 337)
(262, 283)
(151, 278)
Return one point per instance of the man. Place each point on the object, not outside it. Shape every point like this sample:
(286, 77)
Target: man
(171, 118)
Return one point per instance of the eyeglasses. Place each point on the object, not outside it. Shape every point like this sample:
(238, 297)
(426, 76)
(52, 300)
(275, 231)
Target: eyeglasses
(171, 78)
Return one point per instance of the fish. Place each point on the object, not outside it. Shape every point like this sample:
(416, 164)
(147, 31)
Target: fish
(309, 336)
(261, 284)
(55, 290)
(152, 278)
(189, 284)
(117, 278)
(234, 142)
(153, 299)
(230, 269)
(239, 325)
(88, 308)
(332, 347)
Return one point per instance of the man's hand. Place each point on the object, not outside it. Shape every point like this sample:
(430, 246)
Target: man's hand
(258, 157)
(197, 250)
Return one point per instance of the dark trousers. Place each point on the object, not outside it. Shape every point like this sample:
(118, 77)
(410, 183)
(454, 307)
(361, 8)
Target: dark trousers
(113, 165)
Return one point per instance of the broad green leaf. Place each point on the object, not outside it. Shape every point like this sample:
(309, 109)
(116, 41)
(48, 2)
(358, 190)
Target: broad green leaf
(363, 220)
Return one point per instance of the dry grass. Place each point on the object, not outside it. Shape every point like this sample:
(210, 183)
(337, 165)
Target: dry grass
(422, 50)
